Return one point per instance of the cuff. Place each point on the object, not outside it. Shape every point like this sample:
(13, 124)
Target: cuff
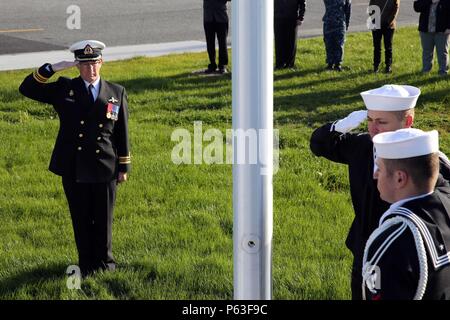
(125, 163)
(42, 74)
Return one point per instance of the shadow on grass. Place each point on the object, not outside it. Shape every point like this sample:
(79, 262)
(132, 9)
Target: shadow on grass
(307, 103)
(32, 278)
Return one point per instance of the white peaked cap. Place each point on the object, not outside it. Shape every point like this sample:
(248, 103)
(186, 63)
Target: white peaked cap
(406, 143)
(87, 50)
(391, 97)
(82, 44)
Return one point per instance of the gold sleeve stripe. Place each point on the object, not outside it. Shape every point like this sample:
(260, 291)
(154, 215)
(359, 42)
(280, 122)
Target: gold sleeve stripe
(38, 77)
(125, 160)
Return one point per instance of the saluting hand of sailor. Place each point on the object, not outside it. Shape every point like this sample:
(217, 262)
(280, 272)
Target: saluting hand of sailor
(63, 65)
(352, 121)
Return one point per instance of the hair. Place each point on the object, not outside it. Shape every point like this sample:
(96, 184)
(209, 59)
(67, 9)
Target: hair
(401, 115)
(422, 170)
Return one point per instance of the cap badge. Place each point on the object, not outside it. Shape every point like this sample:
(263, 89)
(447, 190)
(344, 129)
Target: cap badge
(88, 50)
(71, 93)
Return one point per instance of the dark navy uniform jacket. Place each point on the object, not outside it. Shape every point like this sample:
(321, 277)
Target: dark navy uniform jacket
(215, 10)
(92, 146)
(398, 267)
(356, 151)
(289, 9)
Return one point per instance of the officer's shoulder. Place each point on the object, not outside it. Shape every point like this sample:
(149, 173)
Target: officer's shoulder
(65, 81)
(114, 86)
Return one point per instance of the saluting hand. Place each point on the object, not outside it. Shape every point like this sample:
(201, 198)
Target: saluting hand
(352, 121)
(63, 65)
(122, 177)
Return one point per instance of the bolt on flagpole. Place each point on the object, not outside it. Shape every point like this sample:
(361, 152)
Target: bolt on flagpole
(252, 74)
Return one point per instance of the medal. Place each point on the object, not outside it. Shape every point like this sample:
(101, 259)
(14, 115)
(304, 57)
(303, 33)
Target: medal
(108, 115)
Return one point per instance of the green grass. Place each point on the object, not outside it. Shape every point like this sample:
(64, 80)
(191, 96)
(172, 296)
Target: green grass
(173, 224)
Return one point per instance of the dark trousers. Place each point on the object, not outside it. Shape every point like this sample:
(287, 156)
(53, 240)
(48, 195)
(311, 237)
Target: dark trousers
(334, 39)
(221, 30)
(387, 35)
(285, 42)
(91, 208)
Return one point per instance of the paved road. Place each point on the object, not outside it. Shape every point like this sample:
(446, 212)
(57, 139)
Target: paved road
(29, 25)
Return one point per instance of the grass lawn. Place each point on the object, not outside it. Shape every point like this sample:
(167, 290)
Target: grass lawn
(172, 233)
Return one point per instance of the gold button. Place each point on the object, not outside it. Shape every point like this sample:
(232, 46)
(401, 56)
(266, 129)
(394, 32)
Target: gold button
(82, 122)
(100, 125)
(80, 135)
(79, 148)
(97, 151)
(99, 138)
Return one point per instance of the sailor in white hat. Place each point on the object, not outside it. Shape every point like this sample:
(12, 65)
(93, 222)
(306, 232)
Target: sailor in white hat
(92, 152)
(408, 255)
(388, 108)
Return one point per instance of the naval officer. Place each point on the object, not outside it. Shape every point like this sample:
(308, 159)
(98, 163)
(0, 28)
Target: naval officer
(92, 152)
(389, 108)
(408, 255)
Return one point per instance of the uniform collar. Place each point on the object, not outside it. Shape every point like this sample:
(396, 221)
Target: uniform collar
(399, 203)
(96, 84)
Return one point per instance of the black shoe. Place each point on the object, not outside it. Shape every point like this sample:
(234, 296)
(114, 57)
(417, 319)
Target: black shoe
(209, 71)
(388, 69)
(329, 67)
(338, 67)
(223, 70)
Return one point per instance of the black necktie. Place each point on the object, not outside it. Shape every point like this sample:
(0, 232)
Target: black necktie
(90, 94)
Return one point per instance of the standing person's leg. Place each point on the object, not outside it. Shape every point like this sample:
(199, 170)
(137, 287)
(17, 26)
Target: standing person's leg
(328, 40)
(104, 198)
(376, 38)
(79, 200)
(222, 33)
(442, 44)
(278, 28)
(388, 36)
(291, 42)
(427, 40)
(210, 35)
(339, 37)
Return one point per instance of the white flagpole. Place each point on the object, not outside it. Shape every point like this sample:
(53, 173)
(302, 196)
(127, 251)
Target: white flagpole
(252, 46)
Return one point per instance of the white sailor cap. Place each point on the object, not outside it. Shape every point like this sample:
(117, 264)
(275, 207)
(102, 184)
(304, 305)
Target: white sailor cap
(391, 97)
(406, 143)
(87, 50)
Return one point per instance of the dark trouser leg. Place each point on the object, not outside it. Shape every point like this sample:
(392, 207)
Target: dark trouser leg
(210, 34)
(327, 39)
(279, 44)
(222, 33)
(291, 43)
(339, 43)
(103, 207)
(91, 209)
(376, 36)
(79, 199)
(388, 36)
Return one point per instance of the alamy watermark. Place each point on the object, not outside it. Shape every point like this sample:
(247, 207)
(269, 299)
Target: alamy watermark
(73, 21)
(252, 145)
(74, 277)
(374, 19)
